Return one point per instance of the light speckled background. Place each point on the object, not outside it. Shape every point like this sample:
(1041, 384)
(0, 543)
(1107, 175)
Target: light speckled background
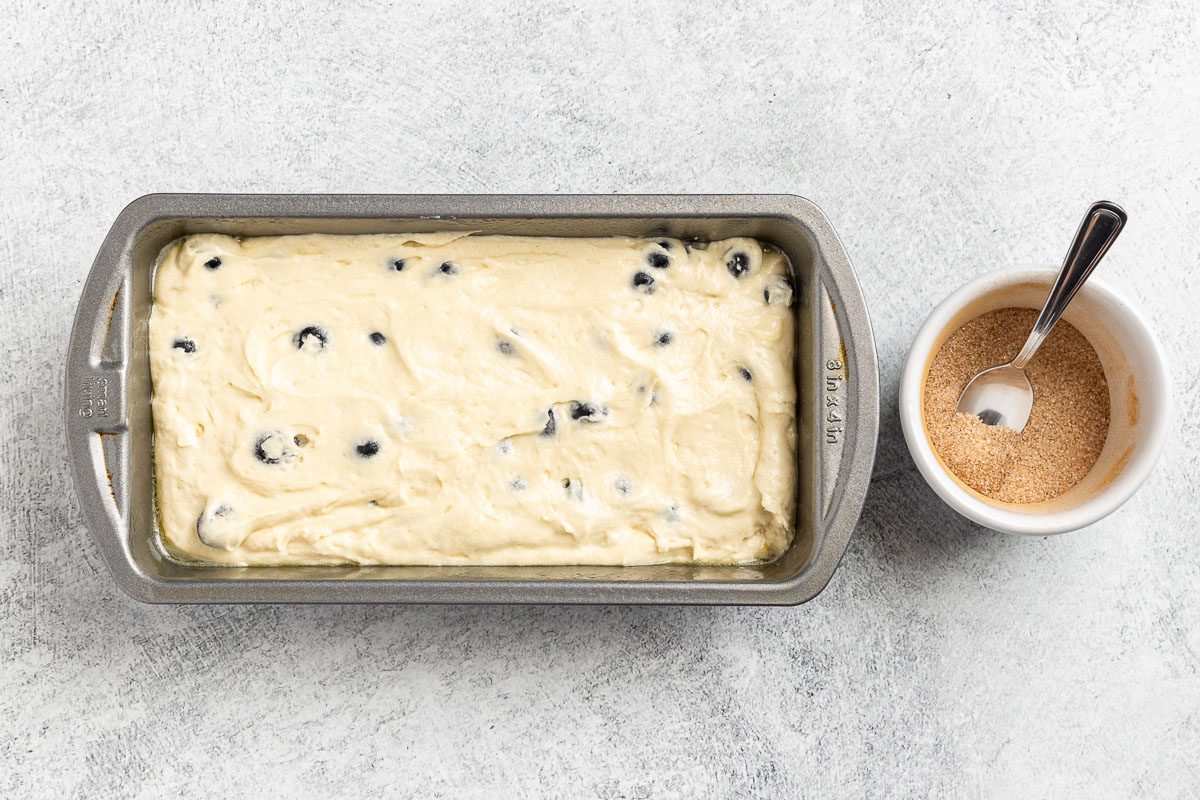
(943, 139)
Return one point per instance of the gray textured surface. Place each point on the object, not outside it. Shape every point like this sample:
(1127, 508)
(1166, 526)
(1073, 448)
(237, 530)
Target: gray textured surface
(942, 139)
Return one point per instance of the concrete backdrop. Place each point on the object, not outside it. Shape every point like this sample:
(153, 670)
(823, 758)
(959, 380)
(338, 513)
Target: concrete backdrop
(942, 138)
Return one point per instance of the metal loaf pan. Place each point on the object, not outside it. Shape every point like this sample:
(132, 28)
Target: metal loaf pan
(108, 418)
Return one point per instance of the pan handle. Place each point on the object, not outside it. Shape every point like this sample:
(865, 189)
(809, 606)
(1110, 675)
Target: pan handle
(847, 397)
(835, 400)
(97, 360)
(94, 402)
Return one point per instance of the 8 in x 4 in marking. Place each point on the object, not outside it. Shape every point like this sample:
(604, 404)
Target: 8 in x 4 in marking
(94, 399)
(834, 411)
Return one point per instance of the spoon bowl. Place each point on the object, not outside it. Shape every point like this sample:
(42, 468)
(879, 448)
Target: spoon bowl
(1001, 395)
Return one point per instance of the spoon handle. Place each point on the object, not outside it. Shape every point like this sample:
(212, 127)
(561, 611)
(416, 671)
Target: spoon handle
(1099, 229)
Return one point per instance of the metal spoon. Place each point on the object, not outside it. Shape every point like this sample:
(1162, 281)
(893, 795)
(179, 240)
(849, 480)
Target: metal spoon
(1003, 395)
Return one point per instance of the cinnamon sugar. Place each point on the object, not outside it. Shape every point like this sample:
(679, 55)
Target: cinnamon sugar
(1066, 430)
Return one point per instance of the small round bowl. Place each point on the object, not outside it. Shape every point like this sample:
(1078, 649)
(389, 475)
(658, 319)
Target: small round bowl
(1138, 384)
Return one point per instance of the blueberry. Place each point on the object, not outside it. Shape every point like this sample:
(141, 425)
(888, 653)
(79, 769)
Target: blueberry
(213, 263)
(624, 486)
(658, 260)
(551, 424)
(185, 344)
(506, 347)
(448, 268)
(378, 338)
(313, 338)
(206, 522)
(586, 412)
(272, 448)
(518, 484)
(738, 264)
(745, 373)
(643, 282)
(398, 265)
(665, 244)
(662, 338)
(366, 449)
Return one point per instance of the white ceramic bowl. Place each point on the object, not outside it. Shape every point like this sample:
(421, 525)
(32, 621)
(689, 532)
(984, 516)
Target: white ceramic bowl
(1139, 389)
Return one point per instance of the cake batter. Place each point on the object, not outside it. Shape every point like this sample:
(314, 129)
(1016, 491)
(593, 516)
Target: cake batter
(464, 399)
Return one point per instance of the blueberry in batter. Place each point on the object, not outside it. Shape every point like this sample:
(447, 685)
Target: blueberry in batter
(312, 338)
(584, 412)
(658, 260)
(738, 264)
(271, 448)
(208, 525)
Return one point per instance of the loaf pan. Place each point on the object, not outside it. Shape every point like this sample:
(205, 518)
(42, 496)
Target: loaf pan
(109, 427)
